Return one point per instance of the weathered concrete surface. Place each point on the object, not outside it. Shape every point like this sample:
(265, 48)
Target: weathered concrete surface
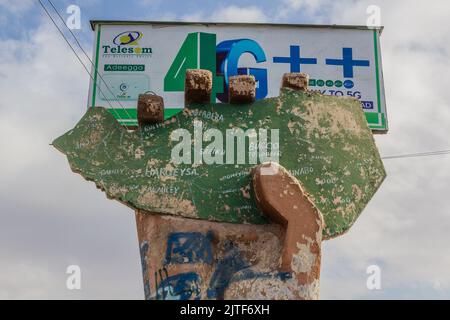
(197, 86)
(150, 109)
(191, 259)
(284, 200)
(324, 142)
(242, 89)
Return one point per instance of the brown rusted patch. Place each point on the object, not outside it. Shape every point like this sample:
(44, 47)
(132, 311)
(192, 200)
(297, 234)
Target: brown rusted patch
(297, 81)
(341, 120)
(198, 86)
(169, 203)
(150, 109)
(242, 89)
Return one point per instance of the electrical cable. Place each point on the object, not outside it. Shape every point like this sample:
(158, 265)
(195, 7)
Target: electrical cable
(416, 155)
(87, 56)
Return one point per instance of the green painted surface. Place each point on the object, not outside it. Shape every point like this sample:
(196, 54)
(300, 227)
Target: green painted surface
(94, 91)
(324, 141)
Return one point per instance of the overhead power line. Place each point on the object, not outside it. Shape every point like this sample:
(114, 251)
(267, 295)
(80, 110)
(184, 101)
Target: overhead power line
(81, 61)
(416, 155)
(74, 51)
(88, 57)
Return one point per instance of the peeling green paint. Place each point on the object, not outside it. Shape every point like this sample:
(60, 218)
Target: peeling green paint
(325, 143)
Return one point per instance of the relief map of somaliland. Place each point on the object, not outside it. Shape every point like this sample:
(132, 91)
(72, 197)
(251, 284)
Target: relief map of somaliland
(324, 142)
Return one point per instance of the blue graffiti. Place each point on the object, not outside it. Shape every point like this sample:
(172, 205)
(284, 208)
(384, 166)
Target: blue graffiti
(195, 247)
(183, 286)
(144, 250)
(225, 269)
(234, 268)
(189, 247)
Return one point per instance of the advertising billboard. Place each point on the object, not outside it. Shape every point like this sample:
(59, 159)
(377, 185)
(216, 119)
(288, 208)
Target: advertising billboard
(136, 57)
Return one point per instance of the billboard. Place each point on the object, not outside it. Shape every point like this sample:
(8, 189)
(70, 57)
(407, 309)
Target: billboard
(135, 57)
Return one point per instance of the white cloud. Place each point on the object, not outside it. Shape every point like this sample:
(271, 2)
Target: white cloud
(310, 5)
(228, 14)
(290, 8)
(239, 14)
(12, 10)
(50, 217)
(37, 281)
(3, 20)
(16, 6)
(148, 2)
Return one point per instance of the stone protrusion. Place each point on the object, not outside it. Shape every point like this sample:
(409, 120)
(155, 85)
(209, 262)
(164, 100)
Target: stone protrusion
(198, 86)
(281, 197)
(242, 89)
(150, 109)
(296, 81)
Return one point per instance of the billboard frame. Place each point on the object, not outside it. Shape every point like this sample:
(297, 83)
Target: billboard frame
(381, 117)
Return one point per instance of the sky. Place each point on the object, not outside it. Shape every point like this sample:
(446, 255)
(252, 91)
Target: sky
(52, 218)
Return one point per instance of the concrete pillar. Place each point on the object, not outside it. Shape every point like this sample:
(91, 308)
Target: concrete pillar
(194, 259)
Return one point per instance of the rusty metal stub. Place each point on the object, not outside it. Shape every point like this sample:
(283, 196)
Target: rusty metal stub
(242, 89)
(296, 81)
(150, 109)
(198, 86)
(323, 141)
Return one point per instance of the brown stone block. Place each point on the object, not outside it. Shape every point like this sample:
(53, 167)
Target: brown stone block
(242, 89)
(282, 198)
(297, 81)
(150, 109)
(198, 86)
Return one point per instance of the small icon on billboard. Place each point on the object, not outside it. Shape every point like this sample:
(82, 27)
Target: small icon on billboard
(127, 38)
(123, 87)
(367, 105)
(348, 84)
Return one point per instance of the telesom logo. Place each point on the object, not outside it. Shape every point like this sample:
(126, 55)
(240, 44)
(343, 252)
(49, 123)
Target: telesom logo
(127, 43)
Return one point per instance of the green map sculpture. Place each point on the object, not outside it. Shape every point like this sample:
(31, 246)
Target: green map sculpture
(324, 142)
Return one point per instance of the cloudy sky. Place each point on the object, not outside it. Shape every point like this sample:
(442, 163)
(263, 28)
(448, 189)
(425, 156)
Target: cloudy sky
(51, 218)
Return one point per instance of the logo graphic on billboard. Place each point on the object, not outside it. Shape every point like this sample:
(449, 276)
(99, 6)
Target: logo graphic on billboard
(127, 38)
(127, 43)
